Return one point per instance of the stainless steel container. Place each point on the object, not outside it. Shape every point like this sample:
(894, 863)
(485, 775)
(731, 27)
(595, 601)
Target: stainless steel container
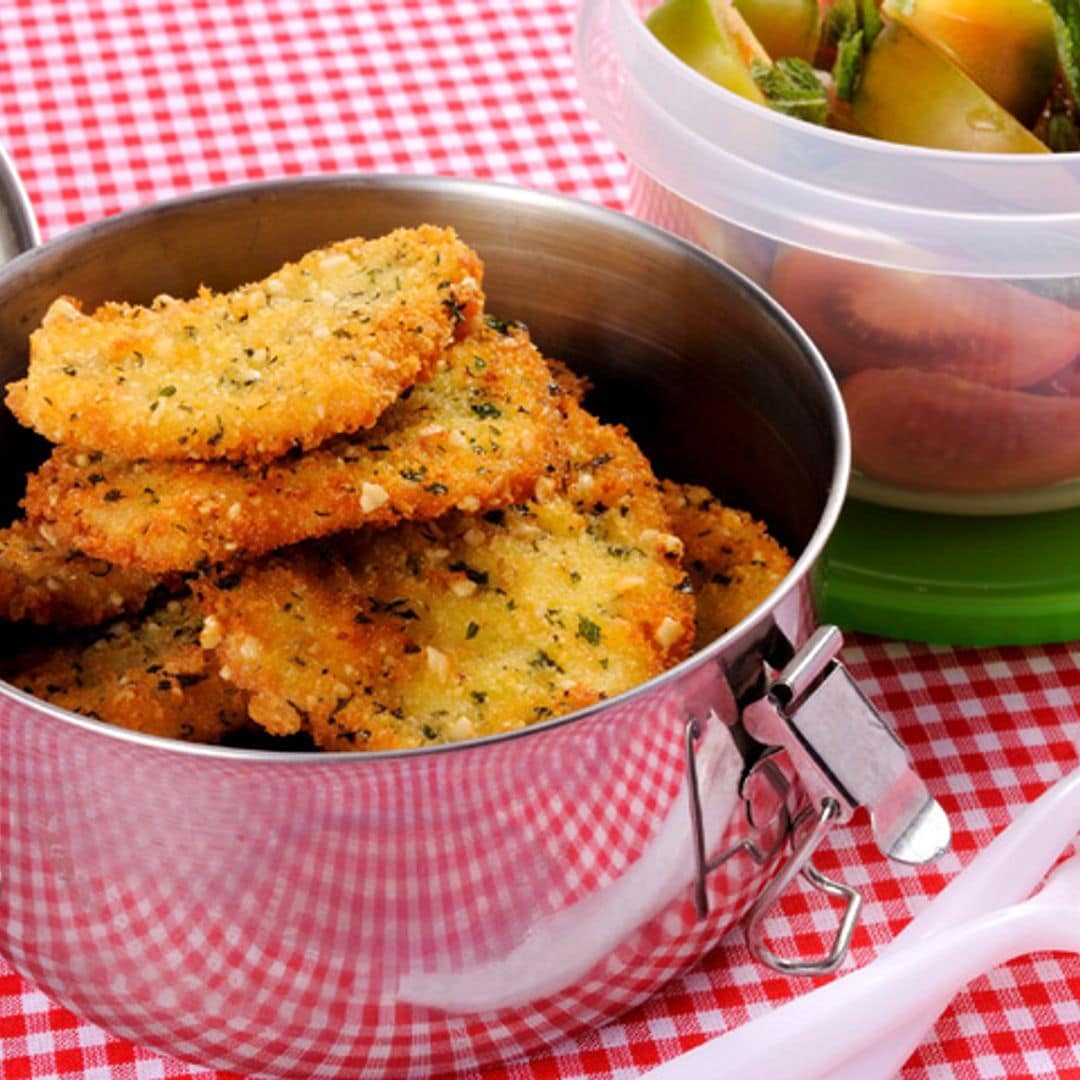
(420, 912)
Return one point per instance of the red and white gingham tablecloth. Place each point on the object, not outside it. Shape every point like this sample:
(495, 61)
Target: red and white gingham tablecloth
(108, 104)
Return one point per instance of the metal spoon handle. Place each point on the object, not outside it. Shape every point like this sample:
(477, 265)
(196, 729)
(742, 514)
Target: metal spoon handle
(18, 225)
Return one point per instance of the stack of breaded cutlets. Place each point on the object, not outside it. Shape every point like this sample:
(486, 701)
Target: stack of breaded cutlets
(345, 504)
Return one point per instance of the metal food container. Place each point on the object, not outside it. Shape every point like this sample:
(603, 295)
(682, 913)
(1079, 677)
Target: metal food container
(416, 913)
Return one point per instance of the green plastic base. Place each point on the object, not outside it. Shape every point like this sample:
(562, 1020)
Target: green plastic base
(954, 580)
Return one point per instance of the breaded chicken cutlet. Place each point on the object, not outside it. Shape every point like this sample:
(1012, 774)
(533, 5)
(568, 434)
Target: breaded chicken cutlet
(467, 626)
(51, 584)
(732, 561)
(321, 347)
(476, 437)
(149, 675)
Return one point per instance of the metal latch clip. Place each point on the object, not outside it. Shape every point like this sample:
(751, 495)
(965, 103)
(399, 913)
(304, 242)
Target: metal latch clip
(846, 757)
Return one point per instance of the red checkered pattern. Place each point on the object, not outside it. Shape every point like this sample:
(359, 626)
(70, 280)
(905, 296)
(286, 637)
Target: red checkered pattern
(110, 105)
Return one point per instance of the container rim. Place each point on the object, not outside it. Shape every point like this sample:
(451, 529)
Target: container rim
(911, 207)
(505, 194)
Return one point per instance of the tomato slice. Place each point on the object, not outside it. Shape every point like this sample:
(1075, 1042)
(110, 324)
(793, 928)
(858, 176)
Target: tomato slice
(864, 316)
(918, 429)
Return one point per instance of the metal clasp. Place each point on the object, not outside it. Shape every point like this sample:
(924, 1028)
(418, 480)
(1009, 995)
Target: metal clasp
(845, 751)
(772, 823)
(846, 757)
(799, 863)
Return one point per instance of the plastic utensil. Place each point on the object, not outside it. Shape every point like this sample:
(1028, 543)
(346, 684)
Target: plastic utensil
(812, 1035)
(1004, 872)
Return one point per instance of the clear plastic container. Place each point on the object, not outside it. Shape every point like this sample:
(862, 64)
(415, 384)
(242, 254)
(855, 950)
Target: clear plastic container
(942, 287)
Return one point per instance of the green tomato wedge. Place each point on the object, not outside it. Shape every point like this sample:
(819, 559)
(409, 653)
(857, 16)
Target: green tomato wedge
(784, 27)
(910, 92)
(1007, 46)
(701, 33)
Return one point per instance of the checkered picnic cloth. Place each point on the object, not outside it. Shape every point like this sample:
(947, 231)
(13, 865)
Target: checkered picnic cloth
(110, 104)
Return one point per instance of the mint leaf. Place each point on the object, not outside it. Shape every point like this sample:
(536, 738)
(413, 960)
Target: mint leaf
(841, 22)
(792, 87)
(1059, 124)
(848, 65)
(1067, 32)
(872, 23)
(851, 27)
(1061, 134)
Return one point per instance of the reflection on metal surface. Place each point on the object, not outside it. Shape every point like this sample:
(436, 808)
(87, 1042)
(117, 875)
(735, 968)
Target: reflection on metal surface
(562, 948)
(766, 793)
(266, 911)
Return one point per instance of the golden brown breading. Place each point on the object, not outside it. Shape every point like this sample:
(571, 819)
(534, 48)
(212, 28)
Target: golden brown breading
(54, 585)
(320, 347)
(475, 437)
(466, 626)
(732, 561)
(149, 675)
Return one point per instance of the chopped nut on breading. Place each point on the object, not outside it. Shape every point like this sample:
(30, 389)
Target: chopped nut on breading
(669, 632)
(372, 496)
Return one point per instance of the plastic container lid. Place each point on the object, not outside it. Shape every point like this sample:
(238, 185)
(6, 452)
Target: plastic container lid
(997, 215)
(957, 580)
